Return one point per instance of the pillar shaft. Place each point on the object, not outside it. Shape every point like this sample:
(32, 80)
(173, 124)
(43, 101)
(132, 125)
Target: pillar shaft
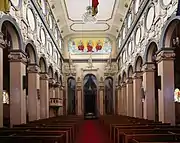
(149, 91)
(137, 94)
(129, 94)
(1, 79)
(165, 60)
(17, 93)
(33, 87)
(44, 96)
(124, 99)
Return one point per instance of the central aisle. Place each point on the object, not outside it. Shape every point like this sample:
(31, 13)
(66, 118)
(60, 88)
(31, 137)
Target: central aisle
(92, 132)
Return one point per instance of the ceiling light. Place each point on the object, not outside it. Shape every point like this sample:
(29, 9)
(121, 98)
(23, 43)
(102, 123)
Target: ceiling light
(87, 16)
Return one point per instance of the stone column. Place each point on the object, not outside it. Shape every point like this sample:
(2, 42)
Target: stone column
(137, 94)
(119, 101)
(149, 90)
(44, 96)
(124, 99)
(52, 82)
(60, 111)
(1, 79)
(79, 100)
(33, 87)
(57, 95)
(129, 94)
(165, 60)
(101, 100)
(17, 93)
(52, 88)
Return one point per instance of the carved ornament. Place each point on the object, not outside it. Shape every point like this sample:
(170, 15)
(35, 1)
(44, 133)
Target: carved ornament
(129, 81)
(33, 69)
(165, 55)
(137, 75)
(44, 76)
(147, 67)
(17, 56)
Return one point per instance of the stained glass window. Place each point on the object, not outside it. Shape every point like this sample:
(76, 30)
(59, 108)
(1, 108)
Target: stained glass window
(5, 97)
(177, 95)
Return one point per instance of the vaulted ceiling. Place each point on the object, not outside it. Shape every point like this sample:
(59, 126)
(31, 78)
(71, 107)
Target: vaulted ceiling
(68, 14)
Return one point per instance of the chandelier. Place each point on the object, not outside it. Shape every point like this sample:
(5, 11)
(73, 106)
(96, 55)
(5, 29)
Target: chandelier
(87, 16)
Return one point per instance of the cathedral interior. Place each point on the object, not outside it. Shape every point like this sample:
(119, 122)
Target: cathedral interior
(104, 71)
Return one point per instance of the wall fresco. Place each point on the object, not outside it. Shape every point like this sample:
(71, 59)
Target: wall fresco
(89, 45)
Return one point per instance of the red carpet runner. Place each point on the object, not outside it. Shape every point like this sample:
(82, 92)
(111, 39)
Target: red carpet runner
(92, 132)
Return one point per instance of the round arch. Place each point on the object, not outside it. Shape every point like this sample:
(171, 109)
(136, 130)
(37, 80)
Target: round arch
(15, 31)
(150, 51)
(138, 64)
(130, 71)
(123, 76)
(167, 32)
(50, 72)
(31, 51)
(56, 76)
(43, 64)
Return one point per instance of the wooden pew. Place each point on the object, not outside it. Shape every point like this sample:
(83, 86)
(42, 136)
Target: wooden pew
(32, 139)
(152, 138)
(121, 134)
(56, 130)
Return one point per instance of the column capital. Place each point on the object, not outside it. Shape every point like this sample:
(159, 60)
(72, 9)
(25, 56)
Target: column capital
(57, 85)
(165, 54)
(129, 80)
(44, 76)
(17, 56)
(61, 87)
(101, 87)
(123, 84)
(52, 82)
(137, 75)
(33, 68)
(78, 88)
(148, 67)
(118, 87)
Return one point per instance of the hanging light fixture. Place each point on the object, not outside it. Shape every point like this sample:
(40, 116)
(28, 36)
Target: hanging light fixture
(87, 16)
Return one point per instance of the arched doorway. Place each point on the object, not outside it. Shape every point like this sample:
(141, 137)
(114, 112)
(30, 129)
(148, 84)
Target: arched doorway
(30, 78)
(176, 44)
(109, 96)
(138, 95)
(151, 62)
(6, 74)
(90, 95)
(71, 86)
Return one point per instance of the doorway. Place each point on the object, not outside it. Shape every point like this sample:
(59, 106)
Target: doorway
(71, 82)
(90, 95)
(109, 96)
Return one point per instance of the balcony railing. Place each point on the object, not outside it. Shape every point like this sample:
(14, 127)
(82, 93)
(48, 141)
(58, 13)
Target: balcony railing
(56, 102)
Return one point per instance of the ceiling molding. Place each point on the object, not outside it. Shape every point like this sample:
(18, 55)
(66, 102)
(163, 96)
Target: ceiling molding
(108, 27)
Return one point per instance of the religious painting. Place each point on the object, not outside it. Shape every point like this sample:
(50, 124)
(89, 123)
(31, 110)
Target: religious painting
(89, 45)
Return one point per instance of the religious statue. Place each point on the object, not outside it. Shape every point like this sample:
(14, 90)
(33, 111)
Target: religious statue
(98, 46)
(81, 46)
(89, 47)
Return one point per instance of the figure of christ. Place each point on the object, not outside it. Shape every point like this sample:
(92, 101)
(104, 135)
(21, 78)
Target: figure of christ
(98, 46)
(81, 46)
(89, 47)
